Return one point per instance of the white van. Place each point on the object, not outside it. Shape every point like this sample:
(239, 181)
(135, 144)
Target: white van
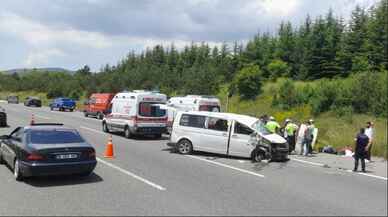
(137, 112)
(226, 133)
(191, 103)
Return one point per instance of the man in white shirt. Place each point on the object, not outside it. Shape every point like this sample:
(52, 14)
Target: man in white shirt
(369, 131)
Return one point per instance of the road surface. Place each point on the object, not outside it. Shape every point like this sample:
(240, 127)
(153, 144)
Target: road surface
(148, 178)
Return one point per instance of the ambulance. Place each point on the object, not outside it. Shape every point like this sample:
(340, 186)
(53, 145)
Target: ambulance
(190, 103)
(137, 113)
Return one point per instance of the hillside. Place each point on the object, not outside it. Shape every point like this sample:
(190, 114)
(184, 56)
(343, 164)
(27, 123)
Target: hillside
(27, 70)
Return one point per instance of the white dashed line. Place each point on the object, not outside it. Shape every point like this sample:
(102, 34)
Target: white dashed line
(227, 166)
(43, 117)
(132, 175)
(93, 130)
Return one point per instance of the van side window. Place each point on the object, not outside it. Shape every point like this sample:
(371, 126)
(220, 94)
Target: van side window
(192, 121)
(242, 129)
(217, 124)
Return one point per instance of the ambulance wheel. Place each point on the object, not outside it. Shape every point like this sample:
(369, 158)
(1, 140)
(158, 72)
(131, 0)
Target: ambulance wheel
(127, 133)
(184, 146)
(105, 127)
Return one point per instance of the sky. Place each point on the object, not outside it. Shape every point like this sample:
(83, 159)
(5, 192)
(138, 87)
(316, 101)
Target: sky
(74, 33)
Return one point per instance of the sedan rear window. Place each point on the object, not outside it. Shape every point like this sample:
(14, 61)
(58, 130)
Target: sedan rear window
(54, 137)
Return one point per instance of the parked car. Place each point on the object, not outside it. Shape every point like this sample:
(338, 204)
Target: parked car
(98, 105)
(13, 99)
(63, 104)
(226, 133)
(3, 117)
(33, 101)
(46, 149)
(137, 113)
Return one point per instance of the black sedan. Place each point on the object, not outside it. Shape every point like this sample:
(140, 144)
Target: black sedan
(47, 149)
(3, 117)
(33, 101)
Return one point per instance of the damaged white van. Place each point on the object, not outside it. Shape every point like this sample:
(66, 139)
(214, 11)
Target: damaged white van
(226, 133)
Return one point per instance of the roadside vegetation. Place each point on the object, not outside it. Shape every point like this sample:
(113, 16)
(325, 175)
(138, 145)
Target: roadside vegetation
(325, 68)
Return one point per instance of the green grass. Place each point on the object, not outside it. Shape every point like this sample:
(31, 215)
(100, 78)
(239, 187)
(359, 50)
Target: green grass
(333, 130)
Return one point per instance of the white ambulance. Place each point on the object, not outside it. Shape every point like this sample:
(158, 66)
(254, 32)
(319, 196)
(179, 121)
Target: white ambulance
(137, 112)
(191, 103)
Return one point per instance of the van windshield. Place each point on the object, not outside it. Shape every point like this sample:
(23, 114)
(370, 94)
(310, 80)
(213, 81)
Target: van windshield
(260, 127)
(151, 109)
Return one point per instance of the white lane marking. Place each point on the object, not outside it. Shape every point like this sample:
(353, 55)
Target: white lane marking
(241, 161)
(227, 166)
(132, 175)
(308, 162)
(43, 117)
(321, 165)
(370, 175)
(93, 130)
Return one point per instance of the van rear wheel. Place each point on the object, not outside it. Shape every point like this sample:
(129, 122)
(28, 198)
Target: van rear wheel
(185, 147)
(100, 116)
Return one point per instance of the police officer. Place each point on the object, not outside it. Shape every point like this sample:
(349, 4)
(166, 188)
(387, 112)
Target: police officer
(362, 142)
(272, 126)
(290, 131)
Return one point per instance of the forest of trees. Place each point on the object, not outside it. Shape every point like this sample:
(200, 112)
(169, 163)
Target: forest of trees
(322, 47)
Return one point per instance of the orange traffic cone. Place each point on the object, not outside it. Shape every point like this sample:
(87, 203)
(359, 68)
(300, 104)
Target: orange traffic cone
(32, 120)
(109, 148)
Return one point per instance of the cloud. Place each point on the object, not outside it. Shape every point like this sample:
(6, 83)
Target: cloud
(97, 32)
(42, 57)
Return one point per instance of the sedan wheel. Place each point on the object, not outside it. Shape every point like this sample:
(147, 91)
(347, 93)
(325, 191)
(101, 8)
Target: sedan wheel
(1, 158)
(16, 171)
(184, 147)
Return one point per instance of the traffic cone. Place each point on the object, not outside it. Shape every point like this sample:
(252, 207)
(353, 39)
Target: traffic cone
(32, 120)
(109, 148)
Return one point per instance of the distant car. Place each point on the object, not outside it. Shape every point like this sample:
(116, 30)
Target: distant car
(63, 104)
(33, 101)
(3, 117)
(13, 99)
(98, 105)
(46, 149)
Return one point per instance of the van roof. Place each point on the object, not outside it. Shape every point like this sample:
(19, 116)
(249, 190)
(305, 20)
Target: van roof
(244, 119)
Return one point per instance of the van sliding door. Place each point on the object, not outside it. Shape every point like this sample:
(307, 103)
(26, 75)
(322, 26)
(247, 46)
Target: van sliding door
(216, 138)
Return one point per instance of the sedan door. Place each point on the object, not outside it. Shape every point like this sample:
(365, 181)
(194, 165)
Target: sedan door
(239, 140)
(10, 145)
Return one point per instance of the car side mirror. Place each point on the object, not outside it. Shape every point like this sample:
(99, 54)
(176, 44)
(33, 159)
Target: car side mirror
(4, 137)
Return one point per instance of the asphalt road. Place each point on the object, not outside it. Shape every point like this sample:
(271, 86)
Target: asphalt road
(147, 178)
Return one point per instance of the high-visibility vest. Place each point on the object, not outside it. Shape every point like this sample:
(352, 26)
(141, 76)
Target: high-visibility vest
(271, 126)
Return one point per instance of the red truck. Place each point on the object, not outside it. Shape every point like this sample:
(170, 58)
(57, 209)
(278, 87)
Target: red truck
(98, 105)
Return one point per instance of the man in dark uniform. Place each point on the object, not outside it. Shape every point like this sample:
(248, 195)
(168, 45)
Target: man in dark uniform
(362, 142)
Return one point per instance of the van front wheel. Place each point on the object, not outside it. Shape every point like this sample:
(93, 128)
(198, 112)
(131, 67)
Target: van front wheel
(184, 147)
(258, 156)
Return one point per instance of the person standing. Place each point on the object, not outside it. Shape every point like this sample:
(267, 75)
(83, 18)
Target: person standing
(362, 142)
(272, 126)
(369, 132)
(290, 131)
(308, 138)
